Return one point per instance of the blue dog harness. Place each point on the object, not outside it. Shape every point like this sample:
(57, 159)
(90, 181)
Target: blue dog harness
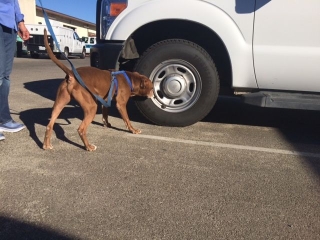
(114, 83)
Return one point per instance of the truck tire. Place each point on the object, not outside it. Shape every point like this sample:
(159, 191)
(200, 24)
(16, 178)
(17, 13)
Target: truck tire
(19, 50)
(34, 54)
(186, 83)
(83, 54)
(66, 52)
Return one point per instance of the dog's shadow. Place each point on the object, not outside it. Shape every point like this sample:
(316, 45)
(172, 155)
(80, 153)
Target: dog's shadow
(41, 116)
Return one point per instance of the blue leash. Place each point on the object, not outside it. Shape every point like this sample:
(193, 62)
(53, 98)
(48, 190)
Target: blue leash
(79, 79)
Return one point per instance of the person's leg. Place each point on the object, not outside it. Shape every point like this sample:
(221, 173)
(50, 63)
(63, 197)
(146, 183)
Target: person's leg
(7, 49)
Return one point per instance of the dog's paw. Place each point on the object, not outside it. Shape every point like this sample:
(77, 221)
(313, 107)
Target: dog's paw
(136, 131)
(91, 148)
(106, 124)
(47, 147)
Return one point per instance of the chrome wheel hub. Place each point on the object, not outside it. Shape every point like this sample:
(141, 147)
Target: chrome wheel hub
(177, 85)
(174, 85)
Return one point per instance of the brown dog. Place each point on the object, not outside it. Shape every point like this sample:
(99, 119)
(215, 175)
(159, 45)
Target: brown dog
(98, 82)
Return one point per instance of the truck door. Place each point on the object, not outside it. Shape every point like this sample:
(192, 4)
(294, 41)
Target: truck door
(286, 45)
(77, 46)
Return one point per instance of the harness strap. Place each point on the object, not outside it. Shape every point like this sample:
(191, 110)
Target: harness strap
(114, 83)
(114, 76)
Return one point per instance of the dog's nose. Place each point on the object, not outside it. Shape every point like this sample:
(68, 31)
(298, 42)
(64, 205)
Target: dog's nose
(151, 94)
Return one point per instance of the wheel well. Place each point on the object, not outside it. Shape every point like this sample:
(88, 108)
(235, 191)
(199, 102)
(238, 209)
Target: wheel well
(154, 32)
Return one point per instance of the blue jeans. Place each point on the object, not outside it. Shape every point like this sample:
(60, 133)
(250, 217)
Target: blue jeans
(8, 39)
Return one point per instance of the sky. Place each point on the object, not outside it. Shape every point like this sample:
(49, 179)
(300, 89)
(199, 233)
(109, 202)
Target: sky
(82, 9)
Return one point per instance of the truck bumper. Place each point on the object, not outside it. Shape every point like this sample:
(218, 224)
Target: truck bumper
(106, 55)
(36, 48)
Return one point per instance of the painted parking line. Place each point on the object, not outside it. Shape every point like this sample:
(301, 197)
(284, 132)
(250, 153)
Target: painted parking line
(224, 145)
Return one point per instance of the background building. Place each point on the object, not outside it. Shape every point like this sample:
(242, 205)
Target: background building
(33, 15)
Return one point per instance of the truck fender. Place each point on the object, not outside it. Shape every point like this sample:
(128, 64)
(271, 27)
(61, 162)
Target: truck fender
(202, 12)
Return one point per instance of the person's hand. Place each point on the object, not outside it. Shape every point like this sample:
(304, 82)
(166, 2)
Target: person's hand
(23, 31)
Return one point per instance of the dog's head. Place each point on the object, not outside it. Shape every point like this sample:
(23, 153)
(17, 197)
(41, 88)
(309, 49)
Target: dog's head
(142, 85)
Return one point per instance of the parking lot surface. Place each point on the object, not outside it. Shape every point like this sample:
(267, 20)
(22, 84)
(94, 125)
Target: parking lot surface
(241, 173)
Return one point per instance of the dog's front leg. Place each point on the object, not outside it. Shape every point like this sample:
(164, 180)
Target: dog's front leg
(105, 112)
(124, 114)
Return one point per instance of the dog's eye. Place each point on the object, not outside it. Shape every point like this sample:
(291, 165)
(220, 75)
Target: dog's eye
(142, 84)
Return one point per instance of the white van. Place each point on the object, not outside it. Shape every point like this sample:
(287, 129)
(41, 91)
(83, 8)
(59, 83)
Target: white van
(68, 39)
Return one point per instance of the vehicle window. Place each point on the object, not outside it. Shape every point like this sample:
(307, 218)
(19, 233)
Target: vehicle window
(75, 36)
(85, 39)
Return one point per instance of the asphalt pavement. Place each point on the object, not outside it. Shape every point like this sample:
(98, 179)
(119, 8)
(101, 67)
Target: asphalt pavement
(241, 173)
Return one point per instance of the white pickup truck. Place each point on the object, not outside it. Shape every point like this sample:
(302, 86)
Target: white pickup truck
(267, 52)
(68, 39)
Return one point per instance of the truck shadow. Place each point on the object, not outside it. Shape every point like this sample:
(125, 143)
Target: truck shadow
(301, 125)
(300, 128)
(15, 229)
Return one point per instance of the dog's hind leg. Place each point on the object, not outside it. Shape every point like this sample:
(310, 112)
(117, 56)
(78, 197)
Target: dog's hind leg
(90, 111)
(105, 112)
(62, 99)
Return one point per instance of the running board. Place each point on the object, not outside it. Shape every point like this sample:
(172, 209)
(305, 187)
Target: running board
(305, 101)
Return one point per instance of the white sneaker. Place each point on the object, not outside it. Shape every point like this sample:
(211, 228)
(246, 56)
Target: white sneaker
(11, 126)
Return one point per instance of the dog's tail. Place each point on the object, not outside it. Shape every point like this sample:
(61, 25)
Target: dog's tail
(53, 57)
